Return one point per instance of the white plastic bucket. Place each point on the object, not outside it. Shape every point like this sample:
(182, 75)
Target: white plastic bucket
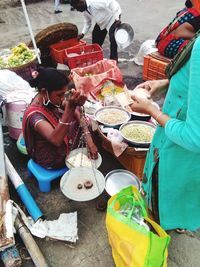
(15, 111)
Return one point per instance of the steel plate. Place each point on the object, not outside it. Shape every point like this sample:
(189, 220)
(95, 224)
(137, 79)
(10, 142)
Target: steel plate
(118, 179)
(79, 175)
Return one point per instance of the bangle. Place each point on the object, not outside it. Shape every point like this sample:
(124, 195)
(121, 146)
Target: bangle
(86, 133)
(66, 123)
(158, 116)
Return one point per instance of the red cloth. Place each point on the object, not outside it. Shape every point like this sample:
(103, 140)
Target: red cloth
(100, 72)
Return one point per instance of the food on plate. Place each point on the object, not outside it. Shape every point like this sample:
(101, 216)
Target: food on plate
(19, 55)
(79, 186)
(107, 89)
(88, 184)
(139, 133)
(79, 159)
(140, 92)
(112, 116)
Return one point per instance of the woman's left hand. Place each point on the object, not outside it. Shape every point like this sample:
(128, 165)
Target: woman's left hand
(141, 105)
(92, 150)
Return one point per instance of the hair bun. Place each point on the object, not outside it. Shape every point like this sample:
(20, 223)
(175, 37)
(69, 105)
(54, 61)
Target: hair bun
(34, 82)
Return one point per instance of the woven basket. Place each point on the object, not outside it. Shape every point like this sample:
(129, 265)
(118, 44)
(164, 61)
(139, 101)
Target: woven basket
(51, 35)
(25, 70)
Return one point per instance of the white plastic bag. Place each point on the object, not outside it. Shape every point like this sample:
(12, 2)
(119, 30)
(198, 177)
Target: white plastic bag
(147, 47)
(13, 87)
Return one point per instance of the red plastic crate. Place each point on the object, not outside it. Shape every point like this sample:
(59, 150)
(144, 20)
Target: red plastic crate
(58, 50)
(83, 56)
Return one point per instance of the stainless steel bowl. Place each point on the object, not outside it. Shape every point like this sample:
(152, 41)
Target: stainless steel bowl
(136, 143)
(124, 35)
(118, 179)
(107, 108)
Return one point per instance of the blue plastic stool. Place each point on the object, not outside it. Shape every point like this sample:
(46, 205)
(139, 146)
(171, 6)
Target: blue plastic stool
(44, 176)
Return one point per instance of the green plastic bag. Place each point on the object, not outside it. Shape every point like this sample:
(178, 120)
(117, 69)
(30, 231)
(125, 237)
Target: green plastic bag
(134, 242)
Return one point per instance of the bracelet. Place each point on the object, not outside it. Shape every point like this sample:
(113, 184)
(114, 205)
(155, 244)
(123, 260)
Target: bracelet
(157, 117)
(86, 133)
(66, 123)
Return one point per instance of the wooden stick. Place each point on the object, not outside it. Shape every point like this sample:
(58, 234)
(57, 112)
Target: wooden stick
(30, 243)
(6, 224)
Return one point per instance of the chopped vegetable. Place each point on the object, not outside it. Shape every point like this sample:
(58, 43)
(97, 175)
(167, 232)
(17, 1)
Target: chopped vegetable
(109, 88)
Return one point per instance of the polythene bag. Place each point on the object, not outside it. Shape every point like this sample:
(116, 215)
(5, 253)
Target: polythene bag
(132, 244)
(93, 76)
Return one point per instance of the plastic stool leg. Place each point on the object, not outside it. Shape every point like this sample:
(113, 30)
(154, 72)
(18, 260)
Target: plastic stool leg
(44, 186)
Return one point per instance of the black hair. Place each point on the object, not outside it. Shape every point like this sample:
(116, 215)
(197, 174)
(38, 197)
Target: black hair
(188, 4)
(74, 2)
(49, 78)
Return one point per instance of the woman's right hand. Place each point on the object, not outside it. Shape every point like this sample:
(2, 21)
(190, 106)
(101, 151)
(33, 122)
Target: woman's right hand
(153, 86)
(77, 98)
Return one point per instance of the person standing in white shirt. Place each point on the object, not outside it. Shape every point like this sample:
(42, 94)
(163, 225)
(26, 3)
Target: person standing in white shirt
(106, 14)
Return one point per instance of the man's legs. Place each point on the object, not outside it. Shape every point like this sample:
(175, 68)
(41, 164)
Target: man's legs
(98, 35)
(113, 44)
(56, 7)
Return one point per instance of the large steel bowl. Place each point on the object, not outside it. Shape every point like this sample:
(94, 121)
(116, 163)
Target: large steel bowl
(118, 179)
(124, 35)
(100, 111)
(142, 144)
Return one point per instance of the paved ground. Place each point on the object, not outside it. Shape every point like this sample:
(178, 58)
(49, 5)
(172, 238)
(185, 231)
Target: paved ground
(147, 18)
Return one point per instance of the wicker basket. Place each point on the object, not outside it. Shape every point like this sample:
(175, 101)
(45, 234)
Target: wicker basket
(131, 159)
(51, 35)
(154, 66)
(25, 70)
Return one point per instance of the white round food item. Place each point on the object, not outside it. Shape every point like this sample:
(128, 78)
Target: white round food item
(139, 92)
(79, 157)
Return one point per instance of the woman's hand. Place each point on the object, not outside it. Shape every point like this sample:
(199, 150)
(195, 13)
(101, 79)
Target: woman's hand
(153, 86)
(92, 150)
(141, 104)
(77, 98)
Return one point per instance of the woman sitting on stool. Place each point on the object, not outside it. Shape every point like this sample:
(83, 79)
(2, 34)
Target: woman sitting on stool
(51, 123)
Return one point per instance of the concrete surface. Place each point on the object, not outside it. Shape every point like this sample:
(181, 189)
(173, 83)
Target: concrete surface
(147, 18)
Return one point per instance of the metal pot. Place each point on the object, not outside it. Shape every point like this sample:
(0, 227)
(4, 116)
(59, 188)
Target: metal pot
(124, 35)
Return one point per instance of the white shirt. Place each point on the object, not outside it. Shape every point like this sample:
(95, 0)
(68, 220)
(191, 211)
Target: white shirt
(103, 12)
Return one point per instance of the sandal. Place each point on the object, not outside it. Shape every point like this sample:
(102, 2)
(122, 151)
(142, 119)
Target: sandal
(102, 203)
(180, 231)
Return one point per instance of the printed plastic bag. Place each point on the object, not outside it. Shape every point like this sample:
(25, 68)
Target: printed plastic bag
(136, 240)
(93, 76)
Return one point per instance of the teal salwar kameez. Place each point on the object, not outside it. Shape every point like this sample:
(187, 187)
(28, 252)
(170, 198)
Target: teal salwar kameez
(177, 149)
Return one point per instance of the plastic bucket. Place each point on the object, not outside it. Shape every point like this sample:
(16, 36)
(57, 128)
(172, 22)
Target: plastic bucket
(15, 111)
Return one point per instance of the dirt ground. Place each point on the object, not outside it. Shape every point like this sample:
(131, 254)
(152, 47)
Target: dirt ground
(147, 17)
